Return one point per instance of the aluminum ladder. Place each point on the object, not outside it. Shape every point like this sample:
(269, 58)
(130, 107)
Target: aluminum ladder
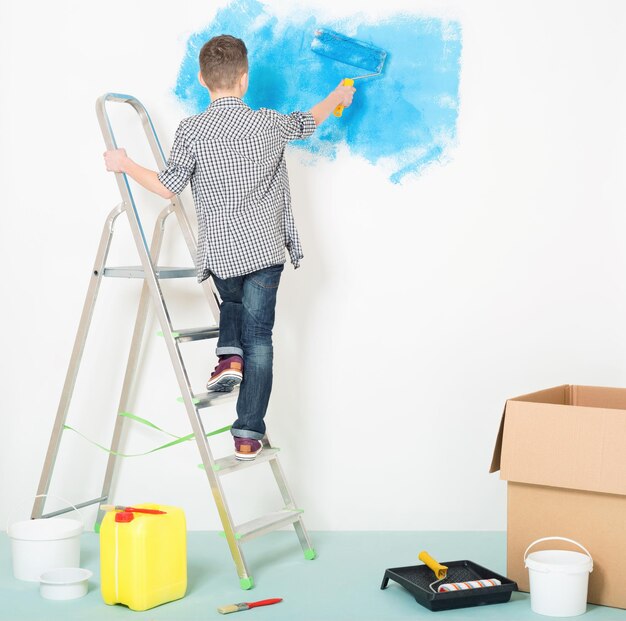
(149, 271)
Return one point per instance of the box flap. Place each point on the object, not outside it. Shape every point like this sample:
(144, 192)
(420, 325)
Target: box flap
(497, 451)
(558, 394)
(598, 397)
(561, 445)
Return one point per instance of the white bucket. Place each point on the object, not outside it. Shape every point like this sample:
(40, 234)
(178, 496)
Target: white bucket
(40, 545)
(558, 579)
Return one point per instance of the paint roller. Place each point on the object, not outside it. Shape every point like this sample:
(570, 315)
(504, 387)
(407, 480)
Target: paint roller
(349, 51)
(441, 573)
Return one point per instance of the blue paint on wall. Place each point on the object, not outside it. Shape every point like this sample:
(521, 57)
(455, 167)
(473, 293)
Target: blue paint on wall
(406, 118)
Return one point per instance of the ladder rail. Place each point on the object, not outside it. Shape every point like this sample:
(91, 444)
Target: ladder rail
(75, 359)
(131, 365)
(124, 402)
(290, 503)
(159, 157)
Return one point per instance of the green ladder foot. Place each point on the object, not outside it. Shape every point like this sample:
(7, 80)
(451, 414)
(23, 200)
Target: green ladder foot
(310, 554)
(246, 583)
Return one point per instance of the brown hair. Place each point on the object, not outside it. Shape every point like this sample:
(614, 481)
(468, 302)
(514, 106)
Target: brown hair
(223, 60)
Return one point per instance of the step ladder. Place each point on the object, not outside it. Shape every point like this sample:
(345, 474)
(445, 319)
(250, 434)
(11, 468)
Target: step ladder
(151, 293)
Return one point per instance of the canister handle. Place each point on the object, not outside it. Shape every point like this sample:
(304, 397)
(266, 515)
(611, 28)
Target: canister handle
(556, 539)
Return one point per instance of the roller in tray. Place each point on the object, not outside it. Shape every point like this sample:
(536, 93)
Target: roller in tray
(417, 579)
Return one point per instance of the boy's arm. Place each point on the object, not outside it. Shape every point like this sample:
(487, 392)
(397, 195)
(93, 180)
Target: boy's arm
(116, 160)
(299, 125)
(341, 96)
(172, 180)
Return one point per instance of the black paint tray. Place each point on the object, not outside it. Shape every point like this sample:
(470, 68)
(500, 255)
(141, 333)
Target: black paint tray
(417, 578)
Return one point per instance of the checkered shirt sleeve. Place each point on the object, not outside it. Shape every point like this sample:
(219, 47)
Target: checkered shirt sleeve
(294, 126)
(181, 163)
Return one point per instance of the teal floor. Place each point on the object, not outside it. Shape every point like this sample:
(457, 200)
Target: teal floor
(343, 583)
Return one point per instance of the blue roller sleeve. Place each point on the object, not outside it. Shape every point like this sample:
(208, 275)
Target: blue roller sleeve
(348, 51)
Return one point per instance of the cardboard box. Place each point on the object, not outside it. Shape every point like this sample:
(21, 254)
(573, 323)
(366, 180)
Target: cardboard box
(563, 453)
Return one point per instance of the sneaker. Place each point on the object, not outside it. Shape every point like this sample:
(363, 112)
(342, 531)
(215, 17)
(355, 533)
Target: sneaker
(247, 448)
(227, 374)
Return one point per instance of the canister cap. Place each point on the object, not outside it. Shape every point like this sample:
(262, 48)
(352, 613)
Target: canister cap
(124, 516)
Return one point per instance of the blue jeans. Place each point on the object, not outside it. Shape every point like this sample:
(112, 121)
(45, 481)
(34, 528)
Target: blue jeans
(246, 322)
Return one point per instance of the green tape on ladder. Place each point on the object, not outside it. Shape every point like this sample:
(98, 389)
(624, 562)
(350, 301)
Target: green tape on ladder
(194, 400)
(143, 421)
(146, 422)
(215, 467)
(223, 534)
(174, 334)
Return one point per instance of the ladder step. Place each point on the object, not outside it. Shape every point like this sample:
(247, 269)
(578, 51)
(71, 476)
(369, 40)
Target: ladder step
(267, 523)
(196, 334)
(209, 399)
(136, 271)
(226, 465)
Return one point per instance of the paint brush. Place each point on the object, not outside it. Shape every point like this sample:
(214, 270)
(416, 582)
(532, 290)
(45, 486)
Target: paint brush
(224, 610)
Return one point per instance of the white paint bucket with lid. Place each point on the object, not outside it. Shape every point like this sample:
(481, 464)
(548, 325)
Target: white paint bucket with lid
(559, 579)
(43, 544)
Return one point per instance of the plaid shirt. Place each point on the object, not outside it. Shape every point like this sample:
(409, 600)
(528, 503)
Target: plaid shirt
(235, 159)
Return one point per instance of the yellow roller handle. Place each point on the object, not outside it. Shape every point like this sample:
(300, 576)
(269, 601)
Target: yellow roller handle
(339, 109)
(441, 571)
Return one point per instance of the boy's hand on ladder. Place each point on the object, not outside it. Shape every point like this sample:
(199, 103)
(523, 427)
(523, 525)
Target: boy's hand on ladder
(114, 160)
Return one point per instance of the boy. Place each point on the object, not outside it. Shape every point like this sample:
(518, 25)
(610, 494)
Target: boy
(234, 157)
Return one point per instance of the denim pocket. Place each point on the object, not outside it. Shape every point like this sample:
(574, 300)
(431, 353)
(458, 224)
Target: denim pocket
(228, 287)
(268, 278)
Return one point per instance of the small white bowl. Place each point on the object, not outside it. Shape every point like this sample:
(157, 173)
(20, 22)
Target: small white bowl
(64, 583)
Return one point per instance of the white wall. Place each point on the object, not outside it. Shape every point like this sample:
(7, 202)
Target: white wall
(419, 308)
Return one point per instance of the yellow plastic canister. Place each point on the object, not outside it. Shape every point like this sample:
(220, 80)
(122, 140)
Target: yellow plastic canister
(143, 556)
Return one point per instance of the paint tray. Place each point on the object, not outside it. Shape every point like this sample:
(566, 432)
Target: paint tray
(417, 578)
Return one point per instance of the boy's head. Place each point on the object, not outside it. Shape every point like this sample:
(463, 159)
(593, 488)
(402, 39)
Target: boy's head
(224, 64)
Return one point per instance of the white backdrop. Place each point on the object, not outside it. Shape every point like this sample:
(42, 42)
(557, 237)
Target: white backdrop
(419, 307)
